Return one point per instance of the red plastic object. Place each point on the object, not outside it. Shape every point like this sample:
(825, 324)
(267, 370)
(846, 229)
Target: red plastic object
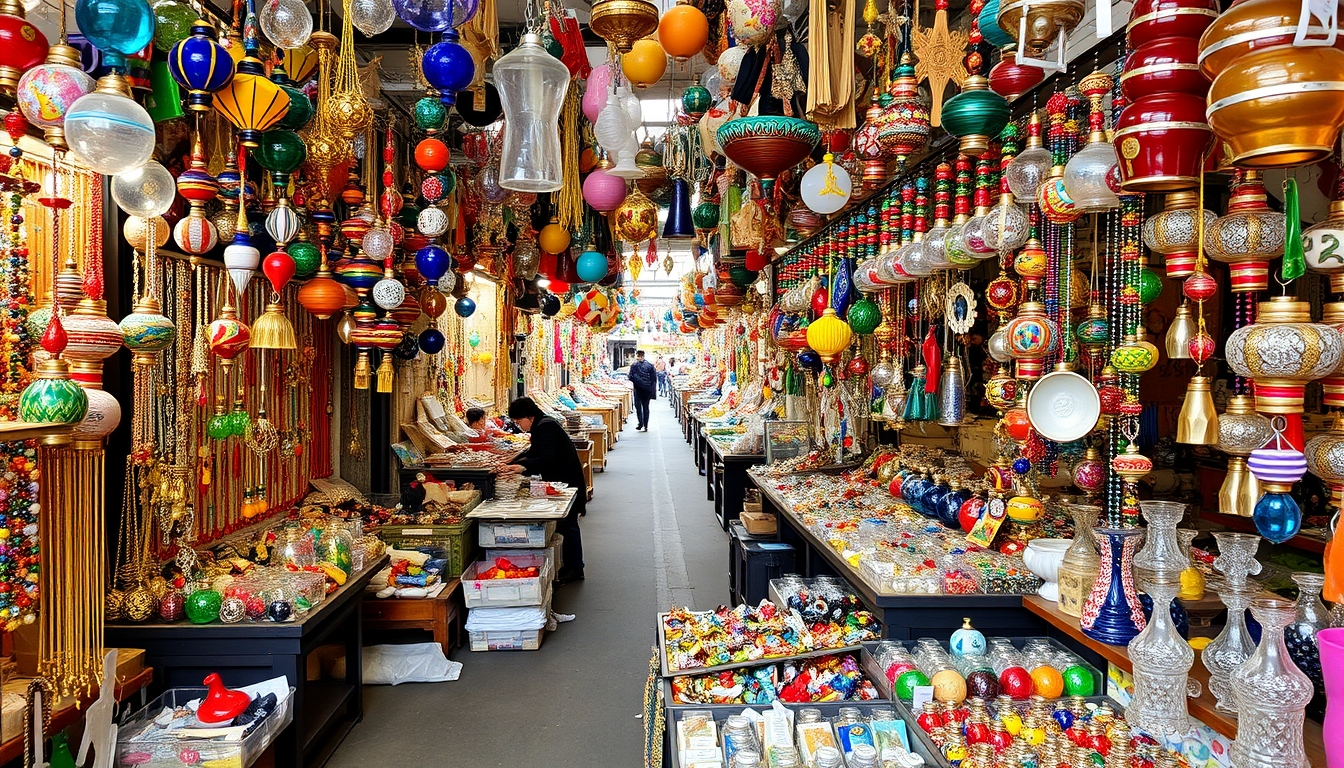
(221, 705)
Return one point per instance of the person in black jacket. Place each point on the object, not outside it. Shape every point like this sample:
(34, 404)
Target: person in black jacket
(552, 456)
(645, 378)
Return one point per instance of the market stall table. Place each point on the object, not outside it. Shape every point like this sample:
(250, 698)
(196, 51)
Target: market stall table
(482, 478)
(246, 653)
(598, 436)
(610, 416)
(1064, 628)
(728, 479)
(903, 617)
(68, 712)
(441, 614)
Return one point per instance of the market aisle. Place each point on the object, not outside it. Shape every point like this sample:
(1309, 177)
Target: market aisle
(574, 702)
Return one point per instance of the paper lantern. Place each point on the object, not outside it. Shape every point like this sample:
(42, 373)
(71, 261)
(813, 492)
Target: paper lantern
(251, 102)
(828, 336)
(826, 187)
(553, 238)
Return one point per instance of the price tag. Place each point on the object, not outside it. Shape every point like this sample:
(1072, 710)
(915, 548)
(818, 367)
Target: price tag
(923, 693)
(988, 525)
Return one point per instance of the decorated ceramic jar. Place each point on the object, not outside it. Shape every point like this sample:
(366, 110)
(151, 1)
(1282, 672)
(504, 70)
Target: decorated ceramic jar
(1161, 140)
(1154, 19)
(1249, 26)
(1323, 243)
(1174, 232)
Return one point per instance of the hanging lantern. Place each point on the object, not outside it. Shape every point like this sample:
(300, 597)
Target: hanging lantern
(636, 219)
(532, 86)
(200, 65)
(826, 187)
(241, 257)
(1325, 458)
(283, 224)
(903, 128)
(1135, 355)
(436, 15)
(645, 64)
(1010, 79)
(51, 397)
(286, 23)
(1240, 431)
(1277, 465)
(301, 110)
(91, 335)
(1088, 174)
(228, 336)
(46, 92)
(322, 295)
(1174, 232)
(683, 31)
(1321, 243)
(107, 131)
(281, 153)
(1045, 20)
(1030, 336)
(301, 63)
(22, 46)
(1180, 332)
(1249, 236)
(1282, 351)
(1029, 169)
(448, 68)
(622, 22)
(251, 102)
(828, 336)
(767, 145)
(146, 331)
(975, 115)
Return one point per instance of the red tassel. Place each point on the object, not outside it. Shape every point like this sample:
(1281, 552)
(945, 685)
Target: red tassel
(237, 460)
(933, 361)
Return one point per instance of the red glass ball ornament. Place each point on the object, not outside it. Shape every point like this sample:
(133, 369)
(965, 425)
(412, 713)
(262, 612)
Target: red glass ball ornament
(1201, 286)
(970, 513)
(278, 268)
(837, 141)
(1131, 407)
(1015, 682)
(1202, 347)
(1003, 293)
(16, 125)
(821, 299)
(431, 155)
(1016, 424)
(54, 338)
(977, 733)
(1111, 398)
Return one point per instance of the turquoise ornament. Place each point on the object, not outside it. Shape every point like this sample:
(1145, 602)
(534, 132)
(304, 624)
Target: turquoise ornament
(990, 29)
(118, 28)
(696, 100)
(967, 641)
(430, 114)
(975, 115)
(592, 266)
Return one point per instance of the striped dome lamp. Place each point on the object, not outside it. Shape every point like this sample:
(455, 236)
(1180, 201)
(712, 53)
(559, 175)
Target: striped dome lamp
(200, 65)
(1277, 465)
(194, 233)
(251, 102)
(300, 64)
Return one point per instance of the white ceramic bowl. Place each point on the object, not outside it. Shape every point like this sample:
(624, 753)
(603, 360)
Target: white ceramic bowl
(1042, 557)
(1063, 406)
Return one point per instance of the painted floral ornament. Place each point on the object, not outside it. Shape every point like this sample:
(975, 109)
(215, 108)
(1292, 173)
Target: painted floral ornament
(1277, 465)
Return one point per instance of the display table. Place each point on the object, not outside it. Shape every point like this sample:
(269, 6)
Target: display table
(1065, 629)
(481, 478)
(610, 416)
(585, 451)
(66, 713)
(727, 479)
(598, 436)
(443, 615)
(903, 617)
(246, 653)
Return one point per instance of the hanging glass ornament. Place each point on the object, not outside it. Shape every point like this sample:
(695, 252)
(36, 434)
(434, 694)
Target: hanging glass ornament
(107, 131)
(241, 258)
(251, 102)
(1091, 175)
(532, 86)
(145, 191)
(46, 92)
(1249, 236)
(286, 23)
(436, 15)
(449, 68)
(119, 28)
(372, 17)
(1277, 465)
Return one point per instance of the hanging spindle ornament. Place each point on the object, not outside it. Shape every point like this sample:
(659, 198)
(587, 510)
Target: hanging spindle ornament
(1277, 465)
(194, 233)
(448, 68)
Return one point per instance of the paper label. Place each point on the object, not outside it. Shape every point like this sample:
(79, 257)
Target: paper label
(416, 532)
(922, 694)
(502, 592)
(987, 527)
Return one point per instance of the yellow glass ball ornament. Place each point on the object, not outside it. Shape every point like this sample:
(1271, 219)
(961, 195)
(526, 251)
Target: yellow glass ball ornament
(828, 336)
(645, 64)
(1024, 509)
(553, 238)
(949, 686)
(636, 218)
(136, 231)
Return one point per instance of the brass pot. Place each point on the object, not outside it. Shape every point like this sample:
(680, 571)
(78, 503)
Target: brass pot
(622, 22)
(1248, 26)
(1279, 107)
(1045, 18)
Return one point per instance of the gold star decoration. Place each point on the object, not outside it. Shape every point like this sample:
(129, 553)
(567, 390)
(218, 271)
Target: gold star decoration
(938, 51)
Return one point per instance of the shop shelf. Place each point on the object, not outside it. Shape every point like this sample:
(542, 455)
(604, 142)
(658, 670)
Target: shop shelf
(456, 542)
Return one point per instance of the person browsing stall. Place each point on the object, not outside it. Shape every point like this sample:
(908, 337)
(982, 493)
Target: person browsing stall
(552, 455)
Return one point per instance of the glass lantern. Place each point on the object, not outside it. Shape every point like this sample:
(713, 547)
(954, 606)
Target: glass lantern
(1087, 177)
(532, 85)
(108, 132)
(1029, 169)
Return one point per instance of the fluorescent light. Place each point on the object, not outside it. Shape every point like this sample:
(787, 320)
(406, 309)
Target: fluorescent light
(543, 283)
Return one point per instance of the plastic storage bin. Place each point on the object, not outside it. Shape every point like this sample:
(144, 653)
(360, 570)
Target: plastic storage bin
(168, 751)
(455, 540)
(503, 593)
(515, 534)
(753, 563)
(521, 640)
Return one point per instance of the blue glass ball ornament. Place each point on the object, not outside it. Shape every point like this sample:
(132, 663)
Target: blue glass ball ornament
(448, 68)
(591, 266)
(1277, 517)
(431, 341)
(432, 262)
(809, 360)
(464, 307)
(1021, 466)
(436, 15)
(200, 65)
(119, 28)
(550, 305)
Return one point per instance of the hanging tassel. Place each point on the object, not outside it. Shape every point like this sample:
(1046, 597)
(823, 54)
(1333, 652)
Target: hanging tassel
(362, 370)
(933, 360)
(652, 255)
(1294, 257)
(569, 200)
(385, 374)
(273, 330)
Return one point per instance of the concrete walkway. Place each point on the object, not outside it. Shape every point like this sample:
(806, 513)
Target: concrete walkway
(650, 540)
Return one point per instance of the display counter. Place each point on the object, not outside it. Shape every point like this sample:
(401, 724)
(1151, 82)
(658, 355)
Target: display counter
(481, 478)
(903, 617)
(245, 653)
(726, 478)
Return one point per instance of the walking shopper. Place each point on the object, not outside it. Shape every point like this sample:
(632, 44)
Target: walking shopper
(552, 455)
(661, 368)
(645, 379)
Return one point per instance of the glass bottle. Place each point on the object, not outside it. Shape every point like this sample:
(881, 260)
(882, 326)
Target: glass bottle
(1162, 660)
(1078, 572)
(1161, 552)
(1236, 560)
(532, 85)
(1300, 636)
(1272, 695)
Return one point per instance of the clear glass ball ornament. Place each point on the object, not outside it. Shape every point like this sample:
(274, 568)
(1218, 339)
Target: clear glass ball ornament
(1027, 171)
(145, 191)
(372, 17)
(286, 23)
(432, 222)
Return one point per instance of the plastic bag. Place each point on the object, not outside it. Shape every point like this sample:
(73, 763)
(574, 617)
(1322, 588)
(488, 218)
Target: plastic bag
(416, 663)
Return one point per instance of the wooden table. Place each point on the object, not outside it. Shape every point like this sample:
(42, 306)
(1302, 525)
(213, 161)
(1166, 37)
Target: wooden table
(1064, 628)
(610, 416)
(728, 479)
(585, 451)
(66, 713)
(442, 615)
(903, 617)
(598, 436)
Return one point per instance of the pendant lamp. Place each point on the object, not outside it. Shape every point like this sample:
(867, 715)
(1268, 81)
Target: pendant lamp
(200, 65)
(532, 86)
(251, 102)
(322, 295)
(448, 68)
(241, 257)
(118, 28)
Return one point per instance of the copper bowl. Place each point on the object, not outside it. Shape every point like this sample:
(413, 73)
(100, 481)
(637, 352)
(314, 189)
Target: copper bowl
(1248, 26)
(1279, 107)
(1168, 65)
(1151, 20)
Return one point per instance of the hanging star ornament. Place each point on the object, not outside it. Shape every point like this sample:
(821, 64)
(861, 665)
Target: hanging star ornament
(939, 53)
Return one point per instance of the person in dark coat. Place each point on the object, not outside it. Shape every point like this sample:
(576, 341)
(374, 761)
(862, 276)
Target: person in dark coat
(645, 378)
(552, 455)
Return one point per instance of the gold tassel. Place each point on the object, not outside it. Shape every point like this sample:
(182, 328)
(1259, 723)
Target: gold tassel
(385, 374)
(362, 371)
(569, 202)
(273, 330)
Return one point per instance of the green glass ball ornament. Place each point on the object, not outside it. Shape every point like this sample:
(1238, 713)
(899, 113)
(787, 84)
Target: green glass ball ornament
(1079, 681)
(239, 421)
(696, 100)
(1150, 285)
(430, 114)
(864, 316)
(741, 276)
(827, 380)
(307, 258)
(203, 606)
(552, 45)
(300, 109)
(53, 398)
(172, 23)
(705, 215)
(908, 682)
(38, 320)
(218, 427)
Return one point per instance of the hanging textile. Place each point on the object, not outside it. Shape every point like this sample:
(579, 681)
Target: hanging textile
(830, 74)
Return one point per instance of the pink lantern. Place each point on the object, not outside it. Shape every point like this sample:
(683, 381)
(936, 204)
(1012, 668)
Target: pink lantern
(603, 191)
(595, 97)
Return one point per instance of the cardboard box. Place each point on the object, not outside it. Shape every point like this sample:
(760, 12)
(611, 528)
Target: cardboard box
(759, 523)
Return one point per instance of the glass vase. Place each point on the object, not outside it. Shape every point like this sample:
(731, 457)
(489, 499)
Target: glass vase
(1192, 581)
(1236, 559)
(1112, 613)
(1162, 660)
(1300, 637)
(1078, 572)
(1161, 555)
(1272, 695)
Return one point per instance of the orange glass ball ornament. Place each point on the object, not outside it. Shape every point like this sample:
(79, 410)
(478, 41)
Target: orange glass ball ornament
(322, 295)
(1016, 424)
(1048, 682)
(432, 302)
(645, 64)
(683, 31)
(431, 155)
(553, 238)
